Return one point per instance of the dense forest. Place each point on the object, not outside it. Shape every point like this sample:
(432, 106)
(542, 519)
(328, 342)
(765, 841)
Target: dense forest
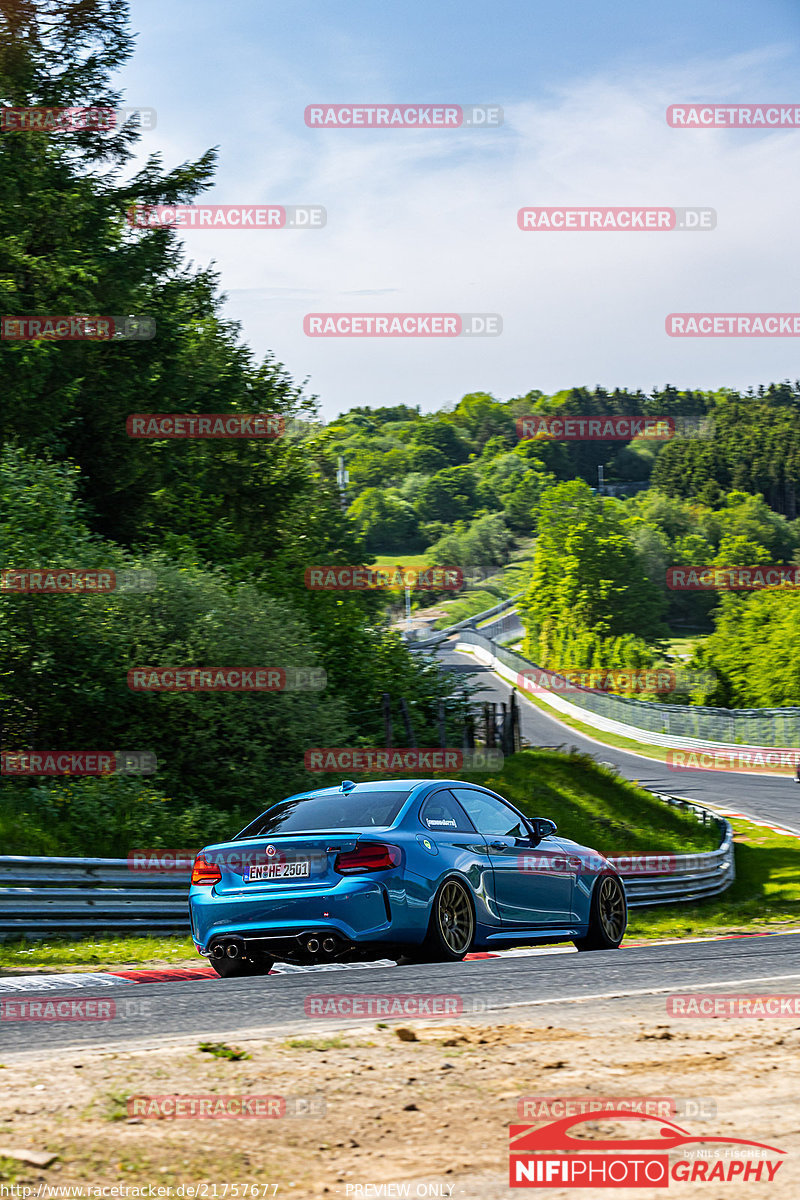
(226, 527)
(461, 486)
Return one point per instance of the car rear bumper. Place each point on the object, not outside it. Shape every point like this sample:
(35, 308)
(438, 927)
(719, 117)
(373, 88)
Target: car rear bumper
(357, 910)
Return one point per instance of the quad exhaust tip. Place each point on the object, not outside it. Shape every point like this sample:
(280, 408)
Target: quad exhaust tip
(227, 949)
(235, 948)
(314, 944)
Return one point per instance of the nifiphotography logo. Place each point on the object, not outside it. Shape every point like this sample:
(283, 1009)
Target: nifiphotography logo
(554, 1155)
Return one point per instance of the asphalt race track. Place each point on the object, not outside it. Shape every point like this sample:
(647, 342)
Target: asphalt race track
(772, 799)
(540, 989)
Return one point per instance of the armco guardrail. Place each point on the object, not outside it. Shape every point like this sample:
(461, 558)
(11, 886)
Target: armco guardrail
(668, 724)
(441, 635)
(41, 896)
(692, 876)
(73, 895)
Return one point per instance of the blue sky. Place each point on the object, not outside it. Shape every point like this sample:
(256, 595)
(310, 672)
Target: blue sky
(424, 221)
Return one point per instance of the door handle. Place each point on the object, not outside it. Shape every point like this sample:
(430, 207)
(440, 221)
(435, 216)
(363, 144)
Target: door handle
(497, 845)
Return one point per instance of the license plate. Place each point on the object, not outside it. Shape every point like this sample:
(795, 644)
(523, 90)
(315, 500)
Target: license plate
(279, 870)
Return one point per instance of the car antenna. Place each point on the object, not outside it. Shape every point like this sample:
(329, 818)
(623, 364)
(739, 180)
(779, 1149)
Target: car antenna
(347, 785)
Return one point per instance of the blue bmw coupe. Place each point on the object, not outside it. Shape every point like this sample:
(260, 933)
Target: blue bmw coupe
(419, 869)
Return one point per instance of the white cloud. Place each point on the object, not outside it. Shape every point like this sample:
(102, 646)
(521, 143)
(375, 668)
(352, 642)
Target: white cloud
(426, 221)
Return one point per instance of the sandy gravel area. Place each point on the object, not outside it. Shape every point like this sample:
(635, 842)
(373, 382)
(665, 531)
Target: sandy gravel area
(429, 1108)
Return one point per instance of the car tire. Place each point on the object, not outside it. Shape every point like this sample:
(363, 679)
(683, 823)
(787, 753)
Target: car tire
(608, 915)
(232, 968)
(451, 929)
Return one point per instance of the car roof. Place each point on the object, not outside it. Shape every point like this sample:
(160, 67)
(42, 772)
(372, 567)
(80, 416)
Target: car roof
(380, 785)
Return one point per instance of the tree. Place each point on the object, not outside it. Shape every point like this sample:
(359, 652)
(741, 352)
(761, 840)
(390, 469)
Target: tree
(484, 418)
(587, 575)
(449, 495)
(485, 542)
(387, 523)
(754, 650)
(442, 437)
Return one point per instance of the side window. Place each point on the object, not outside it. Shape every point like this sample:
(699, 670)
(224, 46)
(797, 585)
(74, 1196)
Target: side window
(441, 814)
(490, 817)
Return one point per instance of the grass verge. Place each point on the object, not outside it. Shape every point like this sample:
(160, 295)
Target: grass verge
(97, 953)
(765, 897)
(594, 806)
(468, 605)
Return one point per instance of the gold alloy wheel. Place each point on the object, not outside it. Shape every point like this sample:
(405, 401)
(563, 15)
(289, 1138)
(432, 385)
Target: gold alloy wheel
(454, 917)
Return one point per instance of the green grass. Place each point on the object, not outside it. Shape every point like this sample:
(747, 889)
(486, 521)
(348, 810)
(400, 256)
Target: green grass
(96, 952)
(517, 575)
(765, 896)
(615, 741)
(401, 560)
(684, 647)
(331, 1043)
(467, 606)
(592, 805)
(513, 577)
(222, 1050)
(612, 740)
(117, 1106)
(510, 579)
(11, 1170)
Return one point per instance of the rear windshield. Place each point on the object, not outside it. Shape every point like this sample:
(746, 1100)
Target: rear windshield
(322, 813)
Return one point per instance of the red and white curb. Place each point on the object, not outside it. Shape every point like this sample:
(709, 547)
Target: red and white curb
(732, 814)
(106, 979)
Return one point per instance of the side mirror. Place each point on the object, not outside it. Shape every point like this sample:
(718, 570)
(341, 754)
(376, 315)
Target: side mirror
(541, 827)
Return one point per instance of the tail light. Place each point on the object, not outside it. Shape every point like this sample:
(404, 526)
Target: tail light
(205, 873)
(368, 857)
